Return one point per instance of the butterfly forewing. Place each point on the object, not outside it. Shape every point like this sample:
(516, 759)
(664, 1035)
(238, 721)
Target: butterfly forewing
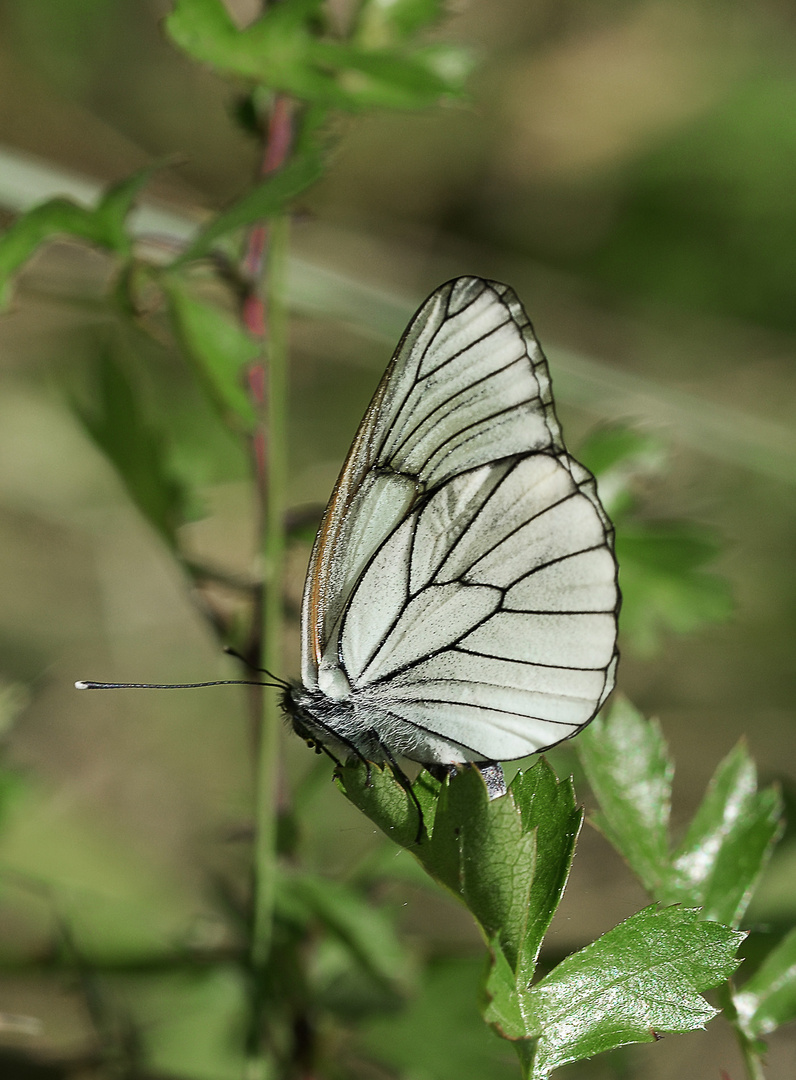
(461, 600)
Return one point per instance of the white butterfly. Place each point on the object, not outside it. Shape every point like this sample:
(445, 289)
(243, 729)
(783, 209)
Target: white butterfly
(461, 600)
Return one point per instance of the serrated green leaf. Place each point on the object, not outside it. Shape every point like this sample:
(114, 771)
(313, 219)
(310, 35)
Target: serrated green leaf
(485, 851)
(627, 764)
(547, 809)
(479, 851)
(268, 198)
(768, 999)
(367, 933)
(285, 50)
(664, 585)
(102, 225)
(273, 50)
(643, 977)
(502, 1007)
(728, 843)
(137, 450)
(219, 348)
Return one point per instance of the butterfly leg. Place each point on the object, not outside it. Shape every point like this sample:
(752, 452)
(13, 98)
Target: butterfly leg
(491, 771)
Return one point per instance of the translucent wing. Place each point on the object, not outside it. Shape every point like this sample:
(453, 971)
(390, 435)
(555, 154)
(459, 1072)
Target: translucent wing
(462, 597)
(468, 385)
(499, 642)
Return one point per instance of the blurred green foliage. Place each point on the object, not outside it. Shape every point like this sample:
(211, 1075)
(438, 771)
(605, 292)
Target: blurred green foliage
(693, 217)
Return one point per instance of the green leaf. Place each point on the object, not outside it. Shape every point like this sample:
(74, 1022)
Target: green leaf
(479, 851)
(768, 999)
(219, 348)
(273, 50)
(642, 978)
(397, 80)
(379, 796)
(115, 205)
(547, 809)
(728, 844)
(507, 859)
(103, 226)
(136, 449)
(664, 583)
(379, 22)
(617, 445)
(268, 198)
(285, 50)
(502, 1007)
(367, 933)
(627, 764)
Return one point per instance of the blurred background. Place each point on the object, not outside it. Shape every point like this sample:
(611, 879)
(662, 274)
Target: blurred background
(629, 167)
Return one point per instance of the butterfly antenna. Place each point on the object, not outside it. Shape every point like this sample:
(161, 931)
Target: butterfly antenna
(87, 684)
(283, 683)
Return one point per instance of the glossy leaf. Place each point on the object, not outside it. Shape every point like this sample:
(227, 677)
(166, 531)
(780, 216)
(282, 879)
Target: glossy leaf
(102, 225)
(507, 859)
(547, 808)
(219, 348)
(642, 978)
(627, 764)
(728, 843)
(481, 853)
(768, 999)
(136, 449)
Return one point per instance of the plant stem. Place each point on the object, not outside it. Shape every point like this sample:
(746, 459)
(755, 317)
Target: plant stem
(265, 316)
(273, 551)
(751, 1057)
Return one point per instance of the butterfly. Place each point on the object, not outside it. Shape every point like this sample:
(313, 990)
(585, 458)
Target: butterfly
(461, 600)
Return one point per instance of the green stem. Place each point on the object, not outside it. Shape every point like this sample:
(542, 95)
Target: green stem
(747, 1046)
(273, 562)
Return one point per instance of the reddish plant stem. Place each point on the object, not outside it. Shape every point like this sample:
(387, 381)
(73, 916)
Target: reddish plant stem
(278, 140)
(278, 137)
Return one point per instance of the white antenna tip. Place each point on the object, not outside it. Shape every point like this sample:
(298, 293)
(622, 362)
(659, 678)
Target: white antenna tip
(81, 685)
